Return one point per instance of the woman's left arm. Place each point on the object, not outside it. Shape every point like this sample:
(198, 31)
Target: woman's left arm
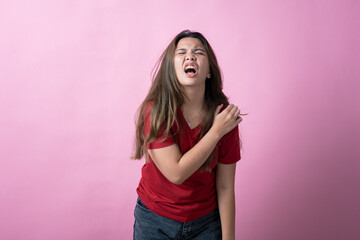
(225, 178)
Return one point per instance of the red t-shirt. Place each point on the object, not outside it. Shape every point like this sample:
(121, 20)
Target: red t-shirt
(196, 196)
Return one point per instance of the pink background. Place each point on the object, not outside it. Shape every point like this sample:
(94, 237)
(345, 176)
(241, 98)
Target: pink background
(74, 72)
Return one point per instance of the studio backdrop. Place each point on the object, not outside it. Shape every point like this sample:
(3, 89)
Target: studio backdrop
(73, 73)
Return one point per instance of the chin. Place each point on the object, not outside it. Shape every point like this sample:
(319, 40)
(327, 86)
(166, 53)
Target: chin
(191, 82)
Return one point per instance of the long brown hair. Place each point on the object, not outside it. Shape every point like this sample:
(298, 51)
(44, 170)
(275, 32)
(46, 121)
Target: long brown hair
(167, 95)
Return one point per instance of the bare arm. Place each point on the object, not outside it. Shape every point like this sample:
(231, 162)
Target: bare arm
(225, 177)
(177, 167)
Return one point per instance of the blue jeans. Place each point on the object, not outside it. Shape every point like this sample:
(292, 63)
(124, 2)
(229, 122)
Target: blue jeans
(149, 225)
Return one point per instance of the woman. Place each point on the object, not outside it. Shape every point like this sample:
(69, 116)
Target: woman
(188, 133)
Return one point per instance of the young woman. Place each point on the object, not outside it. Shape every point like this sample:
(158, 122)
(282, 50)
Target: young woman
(187, 130)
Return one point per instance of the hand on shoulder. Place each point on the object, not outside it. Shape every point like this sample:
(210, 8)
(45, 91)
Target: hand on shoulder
(226, 120)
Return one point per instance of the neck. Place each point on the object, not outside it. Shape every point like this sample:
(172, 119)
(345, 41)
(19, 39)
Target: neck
(194, 101)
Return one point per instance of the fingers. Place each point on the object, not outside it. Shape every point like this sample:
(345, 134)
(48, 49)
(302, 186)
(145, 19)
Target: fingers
(238, 120)
(234, 112)
(229, 108)
(237, 113)
(218, 109)
(227, 119)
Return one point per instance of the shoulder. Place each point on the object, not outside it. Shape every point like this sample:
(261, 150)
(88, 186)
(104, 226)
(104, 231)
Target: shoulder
(147, 109)
(229, 147)
(233, 135)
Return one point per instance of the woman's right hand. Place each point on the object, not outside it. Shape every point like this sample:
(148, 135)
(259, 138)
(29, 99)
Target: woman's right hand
(227, 120)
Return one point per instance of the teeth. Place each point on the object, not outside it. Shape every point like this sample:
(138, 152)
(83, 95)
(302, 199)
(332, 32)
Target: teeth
(189, 67)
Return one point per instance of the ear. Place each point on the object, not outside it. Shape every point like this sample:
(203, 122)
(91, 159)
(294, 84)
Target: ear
(208, 76)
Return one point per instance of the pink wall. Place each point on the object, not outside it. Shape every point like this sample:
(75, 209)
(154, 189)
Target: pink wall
(72, 74)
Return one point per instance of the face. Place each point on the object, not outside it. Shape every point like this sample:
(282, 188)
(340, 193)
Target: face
(191, 62)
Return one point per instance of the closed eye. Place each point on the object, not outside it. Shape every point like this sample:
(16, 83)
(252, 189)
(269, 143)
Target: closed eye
(199, 51)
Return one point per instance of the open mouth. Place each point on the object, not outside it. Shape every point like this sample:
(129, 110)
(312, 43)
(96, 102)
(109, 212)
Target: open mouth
(190, 70)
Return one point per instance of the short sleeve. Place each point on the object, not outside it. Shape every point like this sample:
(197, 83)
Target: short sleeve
(159, 141)
(229, 147)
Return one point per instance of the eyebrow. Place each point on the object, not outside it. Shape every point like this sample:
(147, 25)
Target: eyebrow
(195, 49)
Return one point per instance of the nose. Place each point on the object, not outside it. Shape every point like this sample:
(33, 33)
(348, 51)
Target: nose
(190, 57)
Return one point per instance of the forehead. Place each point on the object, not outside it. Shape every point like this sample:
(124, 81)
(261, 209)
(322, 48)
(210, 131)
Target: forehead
(189, 43)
